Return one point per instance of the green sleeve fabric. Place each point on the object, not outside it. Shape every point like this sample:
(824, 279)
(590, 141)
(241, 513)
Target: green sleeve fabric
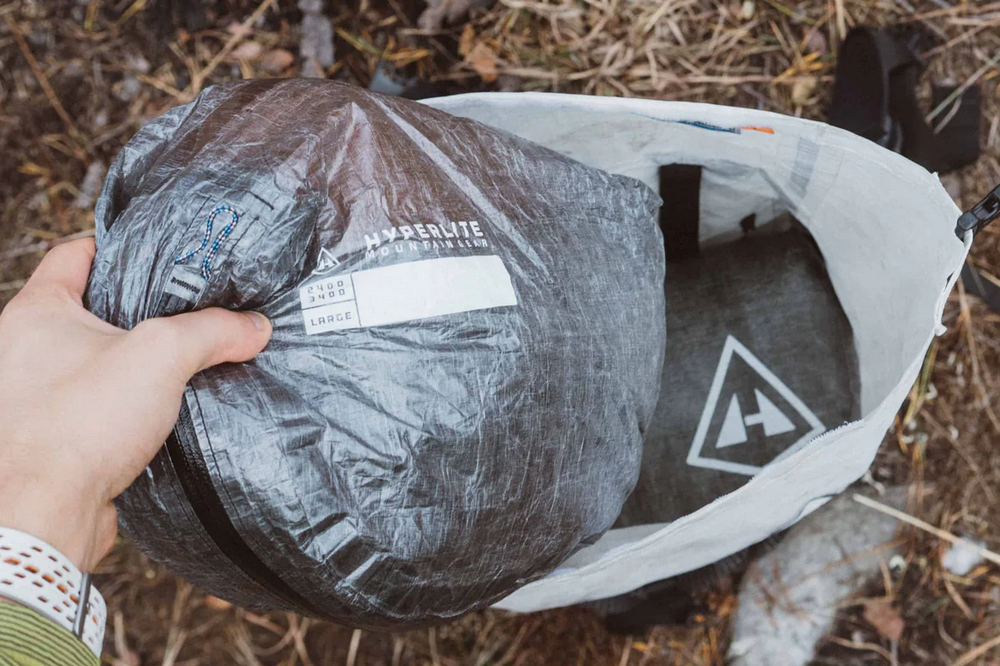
(29, 639)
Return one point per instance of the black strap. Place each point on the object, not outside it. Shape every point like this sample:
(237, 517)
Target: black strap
(976, 284)
(680, 189)
(874, 96)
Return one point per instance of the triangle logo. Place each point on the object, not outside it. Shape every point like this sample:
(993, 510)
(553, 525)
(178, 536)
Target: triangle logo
(751, 418)
(327, 262)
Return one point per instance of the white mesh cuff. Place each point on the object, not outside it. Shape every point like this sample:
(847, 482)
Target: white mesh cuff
(38, 576)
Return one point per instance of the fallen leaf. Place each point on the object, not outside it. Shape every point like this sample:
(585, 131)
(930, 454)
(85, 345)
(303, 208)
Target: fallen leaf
(803, 89)
(277, 61)
(484, 61)
(217, 604)
(246, 51)
(235, 28)
(468, 37)
(817, 43)
(886, 620)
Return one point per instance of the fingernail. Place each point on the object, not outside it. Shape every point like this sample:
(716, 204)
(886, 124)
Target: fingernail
(259, 320)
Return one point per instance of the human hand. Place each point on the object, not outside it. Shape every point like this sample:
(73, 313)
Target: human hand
(85, 406)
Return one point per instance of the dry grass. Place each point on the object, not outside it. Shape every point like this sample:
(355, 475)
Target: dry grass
(77, 78)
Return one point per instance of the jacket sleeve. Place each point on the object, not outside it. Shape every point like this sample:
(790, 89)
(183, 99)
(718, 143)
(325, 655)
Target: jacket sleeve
(29, 639)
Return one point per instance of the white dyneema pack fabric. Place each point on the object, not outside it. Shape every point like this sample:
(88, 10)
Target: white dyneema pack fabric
(885, 227)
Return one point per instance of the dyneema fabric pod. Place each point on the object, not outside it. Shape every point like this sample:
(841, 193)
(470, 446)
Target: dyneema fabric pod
(468, 337)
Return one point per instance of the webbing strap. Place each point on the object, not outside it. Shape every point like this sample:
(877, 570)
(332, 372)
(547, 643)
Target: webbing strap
(874, 95)
(680, 189)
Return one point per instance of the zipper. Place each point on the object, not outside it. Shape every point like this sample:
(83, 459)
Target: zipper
(192, 472)
(196, 483)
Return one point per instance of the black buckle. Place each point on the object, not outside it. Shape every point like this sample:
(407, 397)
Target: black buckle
(980, 215)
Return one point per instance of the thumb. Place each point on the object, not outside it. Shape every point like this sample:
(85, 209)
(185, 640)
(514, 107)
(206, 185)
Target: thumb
(194, 341)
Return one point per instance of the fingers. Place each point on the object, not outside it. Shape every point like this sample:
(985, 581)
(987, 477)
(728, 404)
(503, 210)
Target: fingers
(197, 340)
(65, 268)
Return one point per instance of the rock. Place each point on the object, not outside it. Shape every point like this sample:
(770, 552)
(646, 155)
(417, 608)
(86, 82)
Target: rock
(71, 73)
(90, 187)
(439, 12)
(788, 598)
(311, 69)
(311, 6)
(387, 81)
(960, 559)
(316, 43)
(137, 63)
(130, 88)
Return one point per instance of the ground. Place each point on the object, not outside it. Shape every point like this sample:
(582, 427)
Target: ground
(78, 77)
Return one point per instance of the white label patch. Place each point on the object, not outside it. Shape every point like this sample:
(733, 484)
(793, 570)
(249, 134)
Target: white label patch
(772, 420)
(405, 292)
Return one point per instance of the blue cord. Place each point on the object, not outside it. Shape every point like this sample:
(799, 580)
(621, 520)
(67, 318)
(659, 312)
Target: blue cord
(206, 264)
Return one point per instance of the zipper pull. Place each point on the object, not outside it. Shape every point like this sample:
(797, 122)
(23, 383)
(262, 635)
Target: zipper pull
(979, 215)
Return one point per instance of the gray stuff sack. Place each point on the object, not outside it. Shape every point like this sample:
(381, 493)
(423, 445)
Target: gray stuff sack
(468, 337)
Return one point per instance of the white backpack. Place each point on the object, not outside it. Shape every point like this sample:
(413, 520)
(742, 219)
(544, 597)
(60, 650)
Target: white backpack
(886, 228)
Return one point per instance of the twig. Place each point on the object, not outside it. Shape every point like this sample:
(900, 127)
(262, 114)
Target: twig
(791, 13)
(948, 116)
(957, 598)
(12, 286)
(198, 80)
(45, 245)
(134, 9)
(968, 34)
(965, 455)
(170, 658)
(92, 8)
(397, 650)
(872, 647)
(985, 553)
(352, 651)
(433, 645)
(300, 636)
(40, 75)
(962, 88)
(975, 653)
(516, 643)
(944, 634)
(627, 652)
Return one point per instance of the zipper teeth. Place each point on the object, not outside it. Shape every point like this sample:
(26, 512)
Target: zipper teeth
(192, 472)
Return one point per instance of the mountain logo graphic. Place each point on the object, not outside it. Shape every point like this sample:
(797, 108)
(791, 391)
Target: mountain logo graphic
(327, 262)
(751, 417)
